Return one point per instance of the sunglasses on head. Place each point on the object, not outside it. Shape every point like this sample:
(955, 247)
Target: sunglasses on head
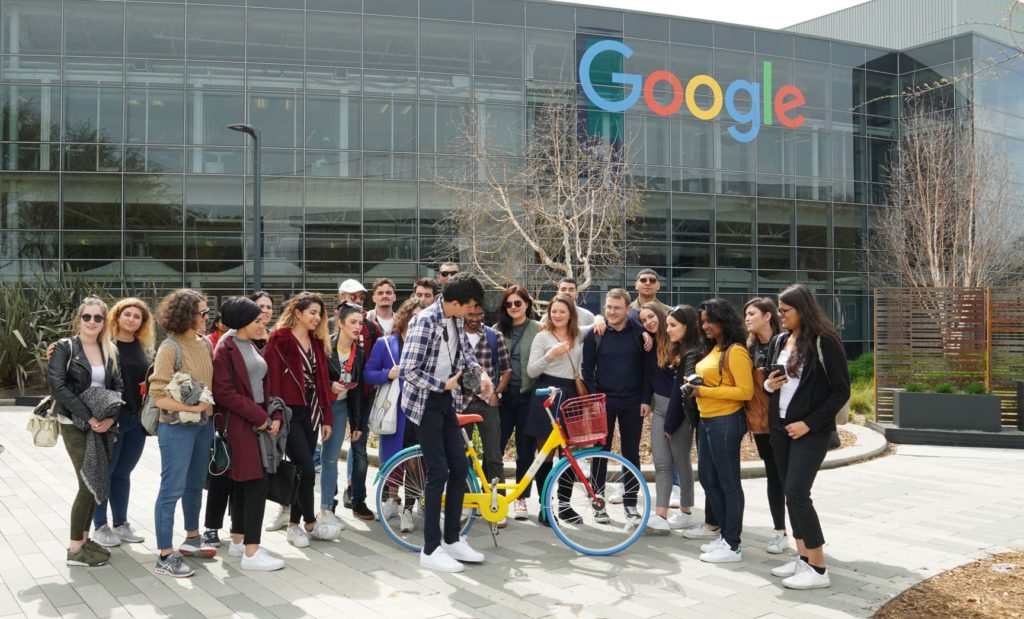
(350, 304)
(516, 303)
(647, 280)
(447, 273)
(97, 318)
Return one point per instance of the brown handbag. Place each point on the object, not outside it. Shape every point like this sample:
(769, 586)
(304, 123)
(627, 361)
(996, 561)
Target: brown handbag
(581, 386)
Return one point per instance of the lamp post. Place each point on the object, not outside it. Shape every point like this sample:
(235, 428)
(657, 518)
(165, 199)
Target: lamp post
(257, 217)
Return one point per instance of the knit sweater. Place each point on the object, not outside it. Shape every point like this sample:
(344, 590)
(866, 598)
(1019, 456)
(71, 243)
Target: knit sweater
(195, 361)
(718, 397)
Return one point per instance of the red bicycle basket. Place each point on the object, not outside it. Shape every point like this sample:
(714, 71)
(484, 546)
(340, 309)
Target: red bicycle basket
(585, 420)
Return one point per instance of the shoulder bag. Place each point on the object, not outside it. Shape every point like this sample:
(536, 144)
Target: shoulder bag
(43, 423)
(284, 484)
(384, 412)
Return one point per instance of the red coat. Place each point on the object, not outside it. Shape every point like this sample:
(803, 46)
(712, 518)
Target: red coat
(233, 393)
(284, 372)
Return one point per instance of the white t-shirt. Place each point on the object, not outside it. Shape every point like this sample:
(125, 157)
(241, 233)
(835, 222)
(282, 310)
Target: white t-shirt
(448, 353)
(386, 324)
(98, 376)
(789, 388)
(474, 339)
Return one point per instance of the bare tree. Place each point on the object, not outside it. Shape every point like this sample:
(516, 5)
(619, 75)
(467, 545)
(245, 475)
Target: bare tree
(559, 207)
(951, 221)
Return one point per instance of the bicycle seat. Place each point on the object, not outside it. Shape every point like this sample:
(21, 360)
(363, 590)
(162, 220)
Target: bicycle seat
(464, 419)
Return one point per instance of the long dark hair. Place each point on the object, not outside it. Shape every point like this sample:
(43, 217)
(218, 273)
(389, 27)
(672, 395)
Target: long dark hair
(504, 320)
(724, 314)
(813, 324)
(688, 317)
(765, 306)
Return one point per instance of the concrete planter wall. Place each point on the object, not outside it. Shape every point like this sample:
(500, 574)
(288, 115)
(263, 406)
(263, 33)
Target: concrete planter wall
(947, 411)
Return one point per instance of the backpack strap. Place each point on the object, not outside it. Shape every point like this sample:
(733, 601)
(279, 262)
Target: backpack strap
(177, 351)
(492, 342)
(821, 360)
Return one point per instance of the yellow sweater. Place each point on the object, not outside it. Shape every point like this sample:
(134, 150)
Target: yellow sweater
(195, 361)
(717, 397)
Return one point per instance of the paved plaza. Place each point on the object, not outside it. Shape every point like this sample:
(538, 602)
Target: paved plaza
(889, 522)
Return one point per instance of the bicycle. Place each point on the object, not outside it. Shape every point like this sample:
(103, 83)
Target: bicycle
(584, 521)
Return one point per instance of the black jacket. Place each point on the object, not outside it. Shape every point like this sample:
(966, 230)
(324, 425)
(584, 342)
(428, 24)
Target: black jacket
(67, 381)
(683, 408)
(819, 396)
(356, 399)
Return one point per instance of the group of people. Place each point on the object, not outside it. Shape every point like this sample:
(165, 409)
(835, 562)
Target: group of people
(290, 393)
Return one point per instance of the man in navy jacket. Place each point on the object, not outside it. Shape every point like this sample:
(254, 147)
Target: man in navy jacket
(613, 364)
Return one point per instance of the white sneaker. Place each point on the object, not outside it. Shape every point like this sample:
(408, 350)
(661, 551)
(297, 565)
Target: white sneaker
(325, 531)
(722, 554)
(128, 534)
(440, 561)
(462, 551)
(519, 511)
(297, 536)
(778, 544)
(680, 520)
(389, 510)
(329, 517)
(280, 521)
(106, 537)
(718, 543)
(658, 523)
(261, 561)
(788, 569)
(405, 523)
(673, 500)
(236, 550)
(615, 498)
(807, 578)
(701, 531)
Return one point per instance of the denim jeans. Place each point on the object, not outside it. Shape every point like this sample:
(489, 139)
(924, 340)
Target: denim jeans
(357, 462)
(131, 439)
(184, 462)
(718, 466)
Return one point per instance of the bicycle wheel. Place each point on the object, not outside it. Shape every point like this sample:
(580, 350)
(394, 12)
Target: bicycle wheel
(577, 518)
(403, 481)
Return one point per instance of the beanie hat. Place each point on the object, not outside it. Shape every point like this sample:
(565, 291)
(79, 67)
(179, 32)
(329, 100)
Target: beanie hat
(238, 312)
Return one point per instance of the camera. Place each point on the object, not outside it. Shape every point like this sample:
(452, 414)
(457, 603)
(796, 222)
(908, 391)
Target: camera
(689, 382)
(469, 382)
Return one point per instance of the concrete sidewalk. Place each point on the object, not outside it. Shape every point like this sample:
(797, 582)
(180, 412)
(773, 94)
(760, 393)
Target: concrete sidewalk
(889, 523)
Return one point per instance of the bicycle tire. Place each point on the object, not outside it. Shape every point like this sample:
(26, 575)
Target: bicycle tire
(408, 462)
(587, 536)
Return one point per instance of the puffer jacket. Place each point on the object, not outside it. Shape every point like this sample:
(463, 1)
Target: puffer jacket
(68, 380)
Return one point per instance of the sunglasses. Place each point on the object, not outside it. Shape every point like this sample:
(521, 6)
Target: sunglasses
(447, 273)
(648, 280)
(204, 313)
(350, 304)
(516, 303)
(97, 318)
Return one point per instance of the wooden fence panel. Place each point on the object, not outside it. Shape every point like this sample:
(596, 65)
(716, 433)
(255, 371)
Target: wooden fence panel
(1006, 349)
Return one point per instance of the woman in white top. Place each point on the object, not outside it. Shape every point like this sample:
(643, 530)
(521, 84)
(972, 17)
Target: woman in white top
(555, 357)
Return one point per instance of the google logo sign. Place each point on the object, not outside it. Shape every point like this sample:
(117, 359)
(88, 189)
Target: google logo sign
(783, 102)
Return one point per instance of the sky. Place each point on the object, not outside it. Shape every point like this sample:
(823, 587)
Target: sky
(763, 13)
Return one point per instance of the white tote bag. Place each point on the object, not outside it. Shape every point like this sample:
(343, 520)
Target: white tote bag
(384, 412)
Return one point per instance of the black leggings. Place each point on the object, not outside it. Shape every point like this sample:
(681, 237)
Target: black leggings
(776, 495)
(301, 443)
(248, 502)
(218, 496)
(564, 491)
(799, 461)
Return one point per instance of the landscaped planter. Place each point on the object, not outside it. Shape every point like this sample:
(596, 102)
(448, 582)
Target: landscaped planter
(947, 411)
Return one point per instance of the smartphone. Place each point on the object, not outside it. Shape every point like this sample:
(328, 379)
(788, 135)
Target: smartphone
(776, 367)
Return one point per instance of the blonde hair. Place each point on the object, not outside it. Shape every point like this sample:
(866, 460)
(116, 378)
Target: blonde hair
(301, 302)
(106, 345)
(146, 335)
(661, 337)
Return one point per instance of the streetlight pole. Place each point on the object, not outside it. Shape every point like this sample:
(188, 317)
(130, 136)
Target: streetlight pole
(257, 216)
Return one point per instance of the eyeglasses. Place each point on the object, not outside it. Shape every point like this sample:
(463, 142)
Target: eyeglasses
(97, 318)
(783, 312)
(447, 273)
(516, 303)
(204, 313)
(647, 280)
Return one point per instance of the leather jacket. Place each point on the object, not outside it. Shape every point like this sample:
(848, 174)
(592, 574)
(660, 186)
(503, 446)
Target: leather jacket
(68, 380)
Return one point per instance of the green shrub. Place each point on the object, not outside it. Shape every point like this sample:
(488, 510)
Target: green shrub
(862, 368)
(943, 388)
(975, 389)
(862, 399)
(915, 388)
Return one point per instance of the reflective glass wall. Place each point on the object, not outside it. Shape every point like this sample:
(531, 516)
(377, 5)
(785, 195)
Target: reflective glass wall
(117, 160)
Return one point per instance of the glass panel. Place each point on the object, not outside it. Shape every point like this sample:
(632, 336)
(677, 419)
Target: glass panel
(92, 202)
(333, 206)
(334, 39)
(692, 218)
(503, 128)
(774, 259)
(812, 78)
(405, 8)
(643, 26)
(155, 30)
(333, 163)
(499, 50)
(92, 114)
(389, 43)
(812, 224)
(599, 20)
(29, 201)
(214, 202)
(214, 160)
(153, 202)
(332, 122)
(444, 86)
(216, 33)
(439, 127)
(848, 226)
(280, 77)
(692, 32)
(210, 113)
(812, 259)
(734, 220)
(351, 6)
(693, 145)
(99, 71)
(30, 68)
(446, 9)
(510, 12)
(275, 36)
(734, 155)
(389, 125)
(166, 247)
(29, 156)
(774, 151)
(142, 72)
(38, 26)
(281, 204)
(550, 55)
(444, 47)
(550, 16)
(155, 116)
(774, 222)
(278, 116)
(812, 153)
(734, 37)
(30, 113)
(98, 28)
(94, 245)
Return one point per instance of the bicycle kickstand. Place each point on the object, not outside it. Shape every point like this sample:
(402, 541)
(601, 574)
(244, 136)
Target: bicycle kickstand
(494, 507)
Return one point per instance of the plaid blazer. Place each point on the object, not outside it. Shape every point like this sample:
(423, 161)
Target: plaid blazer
(423, 343)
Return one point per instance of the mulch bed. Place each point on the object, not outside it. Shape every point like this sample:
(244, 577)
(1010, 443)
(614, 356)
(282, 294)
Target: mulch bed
(985, 589)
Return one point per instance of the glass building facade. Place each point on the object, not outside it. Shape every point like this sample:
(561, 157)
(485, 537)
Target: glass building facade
(117, 162)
